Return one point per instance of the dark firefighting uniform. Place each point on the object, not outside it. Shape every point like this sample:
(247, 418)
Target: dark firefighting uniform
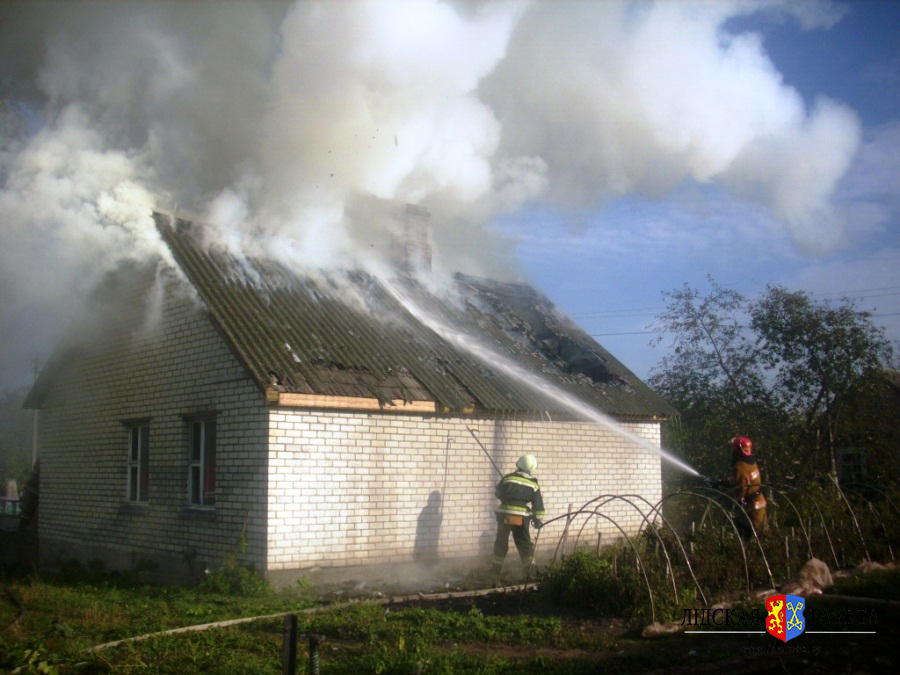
(745, 485)
(516, 491)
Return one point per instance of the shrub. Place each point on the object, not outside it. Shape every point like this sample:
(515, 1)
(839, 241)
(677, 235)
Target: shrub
(234, 579)
(598, 583)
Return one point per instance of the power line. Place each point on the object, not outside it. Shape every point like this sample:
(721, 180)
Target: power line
(590, 314)
(613, 316)
(661, 331)
(862, 290)
(637, 332)
(643, 311)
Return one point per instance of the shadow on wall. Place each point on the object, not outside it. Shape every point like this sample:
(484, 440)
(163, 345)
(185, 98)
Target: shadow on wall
(428, 530)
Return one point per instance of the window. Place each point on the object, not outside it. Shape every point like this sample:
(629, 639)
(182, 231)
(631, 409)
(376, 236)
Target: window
(851, 465)
(138, 462)
(202, 476)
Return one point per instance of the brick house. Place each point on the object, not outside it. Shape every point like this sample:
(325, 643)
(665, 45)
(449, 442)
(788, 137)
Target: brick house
(227, 407)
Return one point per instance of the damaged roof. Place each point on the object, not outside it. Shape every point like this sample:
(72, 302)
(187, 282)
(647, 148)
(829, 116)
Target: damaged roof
(346, 335)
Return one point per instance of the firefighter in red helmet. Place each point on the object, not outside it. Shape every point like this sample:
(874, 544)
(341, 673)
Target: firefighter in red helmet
(745, 484)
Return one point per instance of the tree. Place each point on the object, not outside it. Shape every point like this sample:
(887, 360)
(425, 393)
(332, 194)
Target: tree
(872, 411)
(710, 348)
(777, 370)
(712, 375)
(817, 354)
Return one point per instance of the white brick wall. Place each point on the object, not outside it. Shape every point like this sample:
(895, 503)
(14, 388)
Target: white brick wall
(175, 368)
(303, 488)
(350, 489)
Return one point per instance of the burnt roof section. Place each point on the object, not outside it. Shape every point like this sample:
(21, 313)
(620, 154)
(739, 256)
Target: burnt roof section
(345, 334)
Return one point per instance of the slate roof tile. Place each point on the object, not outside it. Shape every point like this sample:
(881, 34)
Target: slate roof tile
(345, 334)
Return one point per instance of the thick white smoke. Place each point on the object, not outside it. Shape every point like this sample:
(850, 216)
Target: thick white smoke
(623, 98)
(282, 124)
(375, 99)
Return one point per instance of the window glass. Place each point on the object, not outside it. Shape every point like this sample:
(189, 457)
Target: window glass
(202, 471)
(138, 488)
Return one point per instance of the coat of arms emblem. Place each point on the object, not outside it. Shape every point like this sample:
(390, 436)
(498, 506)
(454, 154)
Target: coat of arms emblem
(785, 616)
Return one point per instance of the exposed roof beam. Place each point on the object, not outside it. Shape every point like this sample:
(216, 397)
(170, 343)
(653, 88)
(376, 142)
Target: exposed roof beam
(290, 400)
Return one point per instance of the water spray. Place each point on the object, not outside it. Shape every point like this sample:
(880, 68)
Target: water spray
(498, 361)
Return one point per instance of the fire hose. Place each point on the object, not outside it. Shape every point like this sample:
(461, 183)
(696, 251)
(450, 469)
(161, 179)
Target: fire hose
(486, 453)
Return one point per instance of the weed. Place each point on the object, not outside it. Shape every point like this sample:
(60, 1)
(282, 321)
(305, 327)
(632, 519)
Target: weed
(235, 579)
(589, 581)
(879, 584)
(303, 585)
(29, 660)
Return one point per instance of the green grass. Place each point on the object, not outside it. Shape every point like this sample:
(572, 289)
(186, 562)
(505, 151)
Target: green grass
(877, 584)
(561, 629)
(64, 620)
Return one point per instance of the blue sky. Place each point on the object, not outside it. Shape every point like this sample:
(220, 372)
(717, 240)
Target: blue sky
(604, 151)
(607, 269)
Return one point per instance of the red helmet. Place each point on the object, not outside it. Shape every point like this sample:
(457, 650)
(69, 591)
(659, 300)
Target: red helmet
(741, 445)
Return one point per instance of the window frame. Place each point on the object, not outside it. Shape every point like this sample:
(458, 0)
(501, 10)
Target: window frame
(201, 475)
(137, 462)
(851, 465)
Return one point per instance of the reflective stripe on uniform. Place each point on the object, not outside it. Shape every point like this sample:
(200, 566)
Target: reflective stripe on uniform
(513, 510)
(519, 495)
(521, 480)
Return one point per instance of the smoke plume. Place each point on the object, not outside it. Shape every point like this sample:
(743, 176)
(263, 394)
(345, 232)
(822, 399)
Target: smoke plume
(279, 123)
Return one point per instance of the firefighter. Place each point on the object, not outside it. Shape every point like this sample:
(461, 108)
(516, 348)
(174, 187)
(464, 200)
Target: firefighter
(520, 502)
(745, 485)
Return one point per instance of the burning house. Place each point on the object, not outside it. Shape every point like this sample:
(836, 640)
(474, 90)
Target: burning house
(232, 407)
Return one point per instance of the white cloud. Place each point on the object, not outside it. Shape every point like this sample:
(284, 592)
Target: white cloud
(657, 94)
(869, 195)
